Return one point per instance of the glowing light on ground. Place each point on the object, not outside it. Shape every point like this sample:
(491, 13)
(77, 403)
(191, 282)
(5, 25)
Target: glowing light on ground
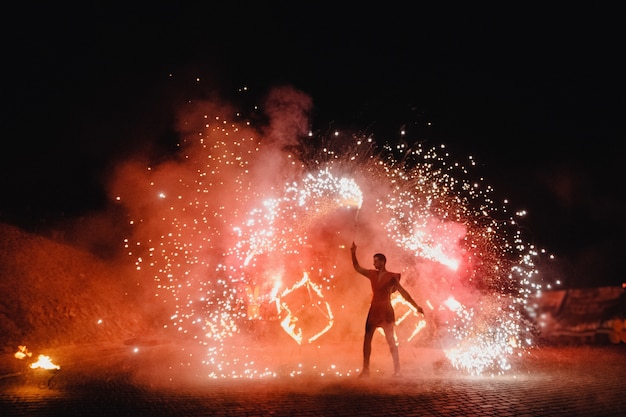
(42, 362)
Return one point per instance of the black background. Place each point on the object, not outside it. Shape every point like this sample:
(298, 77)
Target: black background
(534, 94)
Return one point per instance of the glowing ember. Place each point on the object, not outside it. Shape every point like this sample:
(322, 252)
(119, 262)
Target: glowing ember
(223, 227)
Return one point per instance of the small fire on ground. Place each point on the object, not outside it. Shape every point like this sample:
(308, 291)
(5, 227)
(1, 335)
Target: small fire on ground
(43, 361)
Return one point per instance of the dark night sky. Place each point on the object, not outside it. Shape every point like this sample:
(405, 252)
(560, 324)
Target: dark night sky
(536, 95)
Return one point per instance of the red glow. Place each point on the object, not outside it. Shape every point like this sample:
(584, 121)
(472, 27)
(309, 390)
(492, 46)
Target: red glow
(237, 229)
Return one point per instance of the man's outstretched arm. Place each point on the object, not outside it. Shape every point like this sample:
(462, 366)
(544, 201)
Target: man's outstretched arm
(405, 294)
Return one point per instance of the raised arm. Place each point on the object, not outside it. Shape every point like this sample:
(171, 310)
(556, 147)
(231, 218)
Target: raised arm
(358, 268)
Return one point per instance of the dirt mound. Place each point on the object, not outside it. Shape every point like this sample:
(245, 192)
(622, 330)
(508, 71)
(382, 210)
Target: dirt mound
(53, 294)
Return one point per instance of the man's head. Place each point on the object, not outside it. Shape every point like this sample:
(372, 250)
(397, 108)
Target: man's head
(379, 260)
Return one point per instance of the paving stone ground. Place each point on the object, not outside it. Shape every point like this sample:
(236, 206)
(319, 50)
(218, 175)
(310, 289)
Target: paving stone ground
(548, 381)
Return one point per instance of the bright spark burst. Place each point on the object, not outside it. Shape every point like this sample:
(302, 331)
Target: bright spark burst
(239, 234)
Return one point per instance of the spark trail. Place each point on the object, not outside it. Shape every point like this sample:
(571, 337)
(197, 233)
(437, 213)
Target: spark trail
(245, 242)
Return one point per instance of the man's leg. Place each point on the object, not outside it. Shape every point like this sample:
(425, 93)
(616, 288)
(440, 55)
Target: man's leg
(367, 350)
(390, 336)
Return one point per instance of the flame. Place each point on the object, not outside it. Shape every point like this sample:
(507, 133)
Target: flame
(314, 303)
(22, 352)
(44, 362)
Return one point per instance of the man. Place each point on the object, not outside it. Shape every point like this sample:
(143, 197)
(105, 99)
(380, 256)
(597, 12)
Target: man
(381, 313)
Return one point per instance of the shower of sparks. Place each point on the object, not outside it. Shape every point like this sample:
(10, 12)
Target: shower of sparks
(243, 237)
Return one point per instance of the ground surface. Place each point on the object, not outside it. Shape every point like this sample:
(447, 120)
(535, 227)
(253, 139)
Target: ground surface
(89, 316)
(555, 381)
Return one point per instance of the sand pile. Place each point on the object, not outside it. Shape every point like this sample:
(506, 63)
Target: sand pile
(53, 294)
